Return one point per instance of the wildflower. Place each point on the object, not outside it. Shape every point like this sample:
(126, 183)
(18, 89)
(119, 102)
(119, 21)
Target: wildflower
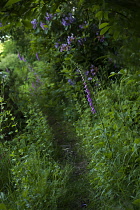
(93, 70)
(88, 95)
(0, 24)
(89, 78)
(38, 79)
(70, 39)
(33, 85)
(48, 16)
(42, 25)
(83, 25)
(23, 59)
(56, 45)
(71, 82)
(37, 57)
(7, 70)
(81, 41)
(89, 98)
(87, 73)
(66, 21)
(34, 22)
(19, 56)
(64, 47)
(100, 37)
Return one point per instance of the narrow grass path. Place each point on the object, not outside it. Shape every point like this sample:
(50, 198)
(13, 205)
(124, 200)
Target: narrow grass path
(67, 147)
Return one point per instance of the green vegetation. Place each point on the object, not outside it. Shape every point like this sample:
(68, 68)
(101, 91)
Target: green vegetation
(70, 105)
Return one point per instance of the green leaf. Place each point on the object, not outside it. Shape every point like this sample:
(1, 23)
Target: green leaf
(104, 30)
(106, 15)
(103, 25)
(112, 74)
(137, 141)
(116, 34)
(96, 7)
(99, 15)
(10, 2)
(2, 206)
(136, 202)
(122, 71)
(27, 23)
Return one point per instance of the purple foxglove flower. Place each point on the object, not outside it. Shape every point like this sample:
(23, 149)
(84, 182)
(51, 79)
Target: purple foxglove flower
(88, 94)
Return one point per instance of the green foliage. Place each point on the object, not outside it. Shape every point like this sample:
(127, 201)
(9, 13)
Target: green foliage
(112, 142)
(101, 39)
(5, 166)
(38, 180)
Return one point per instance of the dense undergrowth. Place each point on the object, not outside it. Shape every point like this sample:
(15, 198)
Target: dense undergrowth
(57, 161)
(70, 109)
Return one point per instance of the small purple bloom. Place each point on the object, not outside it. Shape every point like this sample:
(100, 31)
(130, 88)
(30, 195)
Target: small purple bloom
(93, 70)
(37, 57)
(83, 25)
(0, 24)
(19, 56)
(81, 41)
(68, 20)
(87, 73)
(23, 59)
(48, 16)
(71, 82)
(42, 26)
(89, 78)
(70, 39)
(64, 47)
(56, 45)
(34, 22)
(33, 85)
(84, 205)
(7, 70)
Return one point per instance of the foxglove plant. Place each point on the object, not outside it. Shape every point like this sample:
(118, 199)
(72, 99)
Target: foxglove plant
(88, 94)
